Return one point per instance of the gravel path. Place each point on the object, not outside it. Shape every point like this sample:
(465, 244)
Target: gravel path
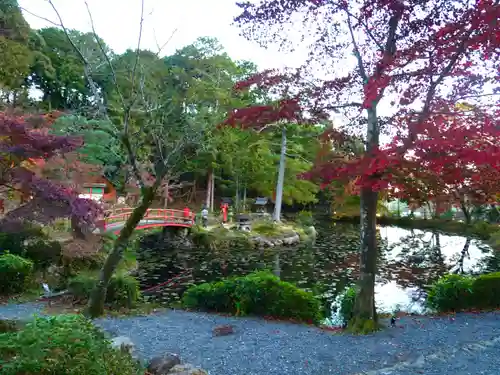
(468, 344)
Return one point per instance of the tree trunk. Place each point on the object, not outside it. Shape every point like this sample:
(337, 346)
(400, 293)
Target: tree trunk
(165, 203)
(237, 197)
(76, 230)
(209, 190)
(365, 316)
(98, 297)
(281, 178)
(468, 218)
(365, 302)
(244, 198)
(212, 192)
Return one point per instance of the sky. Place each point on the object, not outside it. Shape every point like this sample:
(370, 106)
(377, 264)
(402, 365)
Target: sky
(117, 22)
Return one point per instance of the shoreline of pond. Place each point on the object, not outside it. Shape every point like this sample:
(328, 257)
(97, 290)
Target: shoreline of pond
(482, 230)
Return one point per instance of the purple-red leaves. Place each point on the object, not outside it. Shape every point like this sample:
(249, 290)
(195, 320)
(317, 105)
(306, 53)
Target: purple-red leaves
(23, 141)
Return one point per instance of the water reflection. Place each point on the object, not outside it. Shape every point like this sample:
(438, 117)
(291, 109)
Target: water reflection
(409, 261)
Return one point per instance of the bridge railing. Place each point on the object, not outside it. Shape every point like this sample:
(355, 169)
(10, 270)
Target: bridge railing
(167, 216)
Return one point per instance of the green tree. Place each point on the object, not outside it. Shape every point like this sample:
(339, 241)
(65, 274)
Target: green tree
(15, 54)
(58, 70)
(209, 75)
(101, 146)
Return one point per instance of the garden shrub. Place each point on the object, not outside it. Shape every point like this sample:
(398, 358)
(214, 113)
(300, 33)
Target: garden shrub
(486, 291)
(7, 325)
(81, 286)
(74, 265)
(15, 242)
(305, 218)
(260, 293)
(346, 307)
(43, 253)
(451, 293)
(123, 290)
(15, 271)
(62, 345)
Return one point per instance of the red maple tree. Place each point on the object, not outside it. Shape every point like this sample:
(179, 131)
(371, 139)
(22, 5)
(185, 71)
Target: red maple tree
(390, 67)
(455, 162)
(24, 141)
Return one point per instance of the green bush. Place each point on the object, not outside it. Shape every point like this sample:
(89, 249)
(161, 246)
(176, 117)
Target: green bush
(486, 291)
(74, 265)
(62, 345)
(260, 293)
(456, 293)
(15, 242)
(347, 301)
(123, 290)
(7, 325)
(43, 253)
(305, 218)
(15, 271)
(81, 286)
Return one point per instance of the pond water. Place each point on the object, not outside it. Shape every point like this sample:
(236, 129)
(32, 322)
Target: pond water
(409, 261)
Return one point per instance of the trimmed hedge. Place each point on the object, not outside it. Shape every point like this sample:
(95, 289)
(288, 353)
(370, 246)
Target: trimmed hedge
(15, 271)
(123, 290)
(458, 293)
(64, 344)
(260, 293)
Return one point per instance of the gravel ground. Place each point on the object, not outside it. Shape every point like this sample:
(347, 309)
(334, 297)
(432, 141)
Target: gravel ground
(468, 344)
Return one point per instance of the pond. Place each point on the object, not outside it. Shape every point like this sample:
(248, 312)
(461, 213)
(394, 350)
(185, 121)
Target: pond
(409, 261)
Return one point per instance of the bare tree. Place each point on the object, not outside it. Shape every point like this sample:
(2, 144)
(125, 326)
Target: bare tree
(154, 127)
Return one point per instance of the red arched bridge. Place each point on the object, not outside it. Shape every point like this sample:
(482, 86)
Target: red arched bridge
(114, 220)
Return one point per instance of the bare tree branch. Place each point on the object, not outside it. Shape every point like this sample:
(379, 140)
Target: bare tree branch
(106, 57)
(40, 17)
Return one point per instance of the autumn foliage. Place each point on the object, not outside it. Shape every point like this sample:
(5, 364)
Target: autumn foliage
(421, 60)
(24, 141)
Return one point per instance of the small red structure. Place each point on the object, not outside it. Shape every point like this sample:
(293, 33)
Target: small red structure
(224, 207)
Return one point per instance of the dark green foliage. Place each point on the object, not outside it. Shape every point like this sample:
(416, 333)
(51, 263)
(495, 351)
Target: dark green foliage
(305, 218)
(451, 293)
(260, 293)
(81, 285)
(43, 253)
(457, 293)
(15, 242)
(33, 244)
(486, 291)
(346, 307)
(8, 326)
(62, 345)
(123, 290)
(14, 273)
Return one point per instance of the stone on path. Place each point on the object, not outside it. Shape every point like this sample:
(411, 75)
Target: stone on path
(163, 364)
(223, 330)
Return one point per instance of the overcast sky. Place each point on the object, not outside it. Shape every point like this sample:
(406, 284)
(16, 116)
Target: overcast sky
(117, 22)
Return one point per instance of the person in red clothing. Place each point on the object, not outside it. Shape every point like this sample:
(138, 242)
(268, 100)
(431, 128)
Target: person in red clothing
(224, 207)
(187, 213)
